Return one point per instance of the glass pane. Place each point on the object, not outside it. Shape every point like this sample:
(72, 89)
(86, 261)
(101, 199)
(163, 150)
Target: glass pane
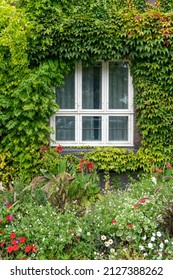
(118, 85)
(118, 128)
(65, 128)
(91, 128)
(65, 96)
(92, 86)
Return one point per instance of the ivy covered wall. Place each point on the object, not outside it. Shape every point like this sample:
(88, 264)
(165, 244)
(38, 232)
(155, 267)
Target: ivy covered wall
(40, 41)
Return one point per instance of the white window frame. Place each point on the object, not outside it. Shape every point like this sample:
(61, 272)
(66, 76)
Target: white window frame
(105, 112)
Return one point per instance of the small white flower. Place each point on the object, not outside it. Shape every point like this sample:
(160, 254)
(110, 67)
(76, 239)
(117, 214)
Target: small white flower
(103, 237)
(88, 233)
(144, 237)
(107, 244)
(153, 238)
(153, 234)
(112, 250)
(110, 241)
(159, 234)
(141, 247)
(153, 179)
(150, 245)
(161, 245)
(166, 241)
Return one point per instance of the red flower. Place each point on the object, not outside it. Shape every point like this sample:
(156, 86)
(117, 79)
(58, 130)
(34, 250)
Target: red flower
(22, 239)
(33, 249)
(9, 218)
(158, 170)
(130, 226)
(12, 235)
(76, 239)
(90, 166)
(27, 248)
(2, 243)
(43, 148)
(114, 222)
(136, 205)
(58, 149)
(24, 258)
(142, 200)
(15, 242)
(9, 249)
(82, 163)
(8, 205)
(1, 221)
(15, 247)
(1, 232)
(168, 166)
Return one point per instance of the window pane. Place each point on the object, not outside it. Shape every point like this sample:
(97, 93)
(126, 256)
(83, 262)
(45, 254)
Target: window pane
(65, 96)
(92, 86)
(91, 128)
(118, 85)
(65, 128)
(118, 128)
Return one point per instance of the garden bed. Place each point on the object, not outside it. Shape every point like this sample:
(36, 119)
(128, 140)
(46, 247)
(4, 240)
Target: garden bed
(134, 223)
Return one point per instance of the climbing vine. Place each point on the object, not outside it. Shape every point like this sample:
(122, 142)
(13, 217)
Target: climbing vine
(41, 40)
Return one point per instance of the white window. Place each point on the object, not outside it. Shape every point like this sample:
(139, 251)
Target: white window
(96, 106)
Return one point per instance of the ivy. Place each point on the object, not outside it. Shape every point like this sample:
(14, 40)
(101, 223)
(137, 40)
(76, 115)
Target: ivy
(40, 40)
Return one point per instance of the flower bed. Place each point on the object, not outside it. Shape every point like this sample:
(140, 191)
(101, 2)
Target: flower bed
(66, 216)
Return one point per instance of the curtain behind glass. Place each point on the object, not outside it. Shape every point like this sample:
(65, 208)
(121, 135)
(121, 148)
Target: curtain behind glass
(65, 96)
(65, 128)
(91, 128)
(92, 86)
(118, 85)
(118, 128)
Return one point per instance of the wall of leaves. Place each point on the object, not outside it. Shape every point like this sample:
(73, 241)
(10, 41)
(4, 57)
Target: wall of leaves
(40, 41)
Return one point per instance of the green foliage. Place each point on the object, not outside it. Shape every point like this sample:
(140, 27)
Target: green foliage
(40, 40)
(121, 225)
(113, 159)
(77, 188)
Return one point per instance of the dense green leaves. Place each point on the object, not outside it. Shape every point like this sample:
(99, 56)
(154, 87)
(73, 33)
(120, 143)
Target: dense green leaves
(40, 40)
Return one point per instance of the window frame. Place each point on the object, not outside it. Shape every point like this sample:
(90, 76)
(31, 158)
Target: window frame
(104, 112)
